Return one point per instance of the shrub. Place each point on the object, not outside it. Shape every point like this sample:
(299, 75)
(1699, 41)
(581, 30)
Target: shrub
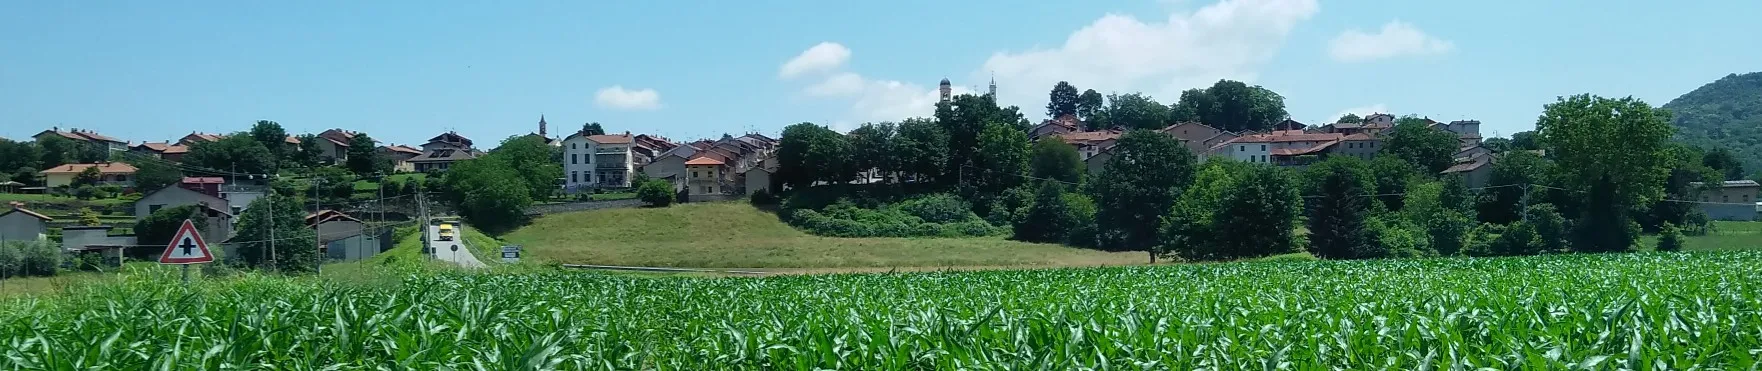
(938, 208)
(763, 198)
(85, 192)
(37, 258)
(1395, 237)
(88, 217)
(845, 218)
(657, 193)
(1669, 238)
(10, 259)
(109, 190)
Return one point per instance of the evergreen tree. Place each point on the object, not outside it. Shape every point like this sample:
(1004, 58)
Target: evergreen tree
(1056, 160)
(1338, 220)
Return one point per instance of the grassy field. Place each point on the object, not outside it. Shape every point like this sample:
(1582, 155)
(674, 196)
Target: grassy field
(1724, 236)
(1590, 311)
(736, 235)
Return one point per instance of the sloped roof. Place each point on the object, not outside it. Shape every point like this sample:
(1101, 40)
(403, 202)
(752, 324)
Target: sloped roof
(1317, 148)
(1734, 184)
(1358, 136)
(16, 208)
(104, 168)
(324, 216)
(704, 160)
(444, 155)
(153, 146)
(1469, 164)
(403, 149)
(204, 180)
(610, 139)
(1087, 137)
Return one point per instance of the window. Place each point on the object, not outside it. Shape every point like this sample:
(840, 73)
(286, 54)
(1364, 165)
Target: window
(1263, 147)
(1724, 198)
(154, 208)
(707, 189)
(1242, 148)
(694, 174)
(572, 145)
(1746, 198)
(574, 176)
(573, 159)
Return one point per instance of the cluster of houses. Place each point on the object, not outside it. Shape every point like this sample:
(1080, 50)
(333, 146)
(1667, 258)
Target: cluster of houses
(1294, 144)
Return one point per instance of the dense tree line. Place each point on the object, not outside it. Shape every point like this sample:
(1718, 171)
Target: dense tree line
(1595, 174)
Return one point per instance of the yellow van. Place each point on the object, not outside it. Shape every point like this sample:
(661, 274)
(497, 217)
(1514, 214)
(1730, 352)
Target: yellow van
(446, 232)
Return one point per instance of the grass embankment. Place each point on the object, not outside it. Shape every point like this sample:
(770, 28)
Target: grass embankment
(1580, 311)
(737, 235)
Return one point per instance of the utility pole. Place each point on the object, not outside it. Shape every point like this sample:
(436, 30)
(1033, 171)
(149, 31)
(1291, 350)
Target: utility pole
(1526, 203)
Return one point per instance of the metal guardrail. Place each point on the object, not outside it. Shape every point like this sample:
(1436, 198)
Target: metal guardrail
(658, 269)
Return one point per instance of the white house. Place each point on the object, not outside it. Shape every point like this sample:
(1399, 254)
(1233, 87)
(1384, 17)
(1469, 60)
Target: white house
(596, 161)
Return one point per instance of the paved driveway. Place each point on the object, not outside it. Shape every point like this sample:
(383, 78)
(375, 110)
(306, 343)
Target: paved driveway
(453, 251)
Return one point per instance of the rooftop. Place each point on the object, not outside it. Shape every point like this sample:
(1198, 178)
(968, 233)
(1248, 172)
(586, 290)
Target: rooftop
(104, 168)
(703, 160)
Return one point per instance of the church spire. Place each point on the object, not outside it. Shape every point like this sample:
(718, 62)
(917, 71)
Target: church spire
(993, 85)
(541, 126)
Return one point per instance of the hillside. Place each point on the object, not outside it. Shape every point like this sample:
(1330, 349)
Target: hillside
(1727, 113)
(737, 235)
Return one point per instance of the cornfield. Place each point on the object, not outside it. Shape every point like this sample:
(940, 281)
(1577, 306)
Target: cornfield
(1636, 311)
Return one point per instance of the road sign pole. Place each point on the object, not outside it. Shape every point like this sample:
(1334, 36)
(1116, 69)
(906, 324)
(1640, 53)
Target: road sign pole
(186, 274)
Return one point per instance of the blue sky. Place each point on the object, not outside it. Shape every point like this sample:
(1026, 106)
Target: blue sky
(404, 70)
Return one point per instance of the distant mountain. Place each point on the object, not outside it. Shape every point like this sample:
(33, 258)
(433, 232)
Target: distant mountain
(1726, 113)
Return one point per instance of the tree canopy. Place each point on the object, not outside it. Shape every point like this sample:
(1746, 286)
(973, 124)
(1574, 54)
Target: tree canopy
(235, 153)
(273, 137)
(920, 149)
(592, 128)
(1062, 101)
(364, 158)
(279, 219)
(1133, 111)
(1432, 149)
(1338, 221)
(812, 153)
(1056, 160)
(1615, 151)
(1137, 186)
(537, 162)
(1090, 104)
(1232, 106)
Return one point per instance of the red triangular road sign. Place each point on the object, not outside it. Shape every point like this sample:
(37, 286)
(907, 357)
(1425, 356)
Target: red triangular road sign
(186, 247)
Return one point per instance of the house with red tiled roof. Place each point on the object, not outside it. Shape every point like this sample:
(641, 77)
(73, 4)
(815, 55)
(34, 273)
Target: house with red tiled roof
(333, 144)
(21, 224)
(1279, 147)
(1089, 143)
(85, 136)
(115, 173)
(442, 151)
(400, 156)
(1066, 123)
(162, 150)
(706, 175)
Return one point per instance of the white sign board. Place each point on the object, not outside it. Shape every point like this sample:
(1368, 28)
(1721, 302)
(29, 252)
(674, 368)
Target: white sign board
(186, 247)
(511, 254)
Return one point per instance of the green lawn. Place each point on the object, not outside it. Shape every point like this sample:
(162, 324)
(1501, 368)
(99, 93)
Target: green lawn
(737, 235)
(613, 196)
(29, 199)
(1724, 236)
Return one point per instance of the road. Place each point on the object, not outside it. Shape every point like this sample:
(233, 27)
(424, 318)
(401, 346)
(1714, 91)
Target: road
(453, 251)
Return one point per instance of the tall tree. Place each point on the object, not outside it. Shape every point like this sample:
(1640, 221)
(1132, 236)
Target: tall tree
(273, 137)
(870, 146)
(964, 117)
(57, 151)
(1062, 101)
(1089, 105)
(1350, 118)
(275, 235)
(235, 153)
(1136, 111)
(1056, 216)
(306, 154)
(88, 177)
(1259, 215)
(1137, 186)
(1525, 141)
(921, 149)
(1615, 150)
(1233, 106)
(20, 161)
(1431, 149)
(1190, 230)
(1056, 160)
(811, 153)
(1391, 175)
(1496, 144)
(1724, 161)
(1686, 167)
(535, 159)
(1193, 105)
(1338, 218)
(364, 157)
(1001, 160)
(151, 174)
(1502, 202)
(488, 192)
(592, 128)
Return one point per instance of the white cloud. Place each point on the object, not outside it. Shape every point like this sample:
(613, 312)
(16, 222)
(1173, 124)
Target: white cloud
(825, 56)
(1396, 39)
(837, 85)
(617, 97)
(1360, 111)
(1119, 53)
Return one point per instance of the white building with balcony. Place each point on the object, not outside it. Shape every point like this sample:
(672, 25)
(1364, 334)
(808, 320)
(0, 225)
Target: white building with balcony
(597, 161)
